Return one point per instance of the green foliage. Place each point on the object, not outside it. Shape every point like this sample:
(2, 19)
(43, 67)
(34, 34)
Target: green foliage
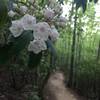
(21, 42)
(43, 2)
(51, 47)
(89, 75)
(3, 12)
(15, 46)
(34, 59)
(83, 4)
(4, 55)
(86, 69)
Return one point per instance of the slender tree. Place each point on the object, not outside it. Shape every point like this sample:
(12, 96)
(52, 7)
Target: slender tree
(71, 73)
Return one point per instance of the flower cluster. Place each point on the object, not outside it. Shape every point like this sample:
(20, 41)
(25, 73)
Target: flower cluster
(37, 46)
(54, 34)
(42, 29)
(49, 13)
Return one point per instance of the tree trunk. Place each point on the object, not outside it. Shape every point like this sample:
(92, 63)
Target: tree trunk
(70, 82)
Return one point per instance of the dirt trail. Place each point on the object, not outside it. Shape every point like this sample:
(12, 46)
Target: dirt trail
(55, 89)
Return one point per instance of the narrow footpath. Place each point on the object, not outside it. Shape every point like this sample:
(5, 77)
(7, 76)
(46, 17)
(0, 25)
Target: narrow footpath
(55, 89)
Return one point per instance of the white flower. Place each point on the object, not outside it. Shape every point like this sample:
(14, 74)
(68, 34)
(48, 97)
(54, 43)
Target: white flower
(16, 28)
(31, 1)
(42, 30)
(52, 1)
(15, 6)
(23, 9)
(37, 46)
(62, 19)
(54, 35)
(61, 24)
(49, 13)
(32, 8)
(11, 13)
(28, 22)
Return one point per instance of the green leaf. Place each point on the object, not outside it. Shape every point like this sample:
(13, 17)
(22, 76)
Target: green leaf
(34, 59)
(51, 48)
(21, 42)
(43, 3)
(61, 1)
(15, 47)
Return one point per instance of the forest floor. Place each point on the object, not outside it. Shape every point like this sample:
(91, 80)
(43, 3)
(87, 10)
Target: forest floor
(54, 89)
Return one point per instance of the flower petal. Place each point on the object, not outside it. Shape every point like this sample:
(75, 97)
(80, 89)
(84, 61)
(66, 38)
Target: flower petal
(49, 13)
(16, 28)
(28, 22)
(42, 30)
(11, 13)
(37, 46)
(54, 35)
(23, 9)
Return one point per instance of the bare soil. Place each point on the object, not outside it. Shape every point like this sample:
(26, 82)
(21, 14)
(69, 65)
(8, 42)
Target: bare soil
(55, 89)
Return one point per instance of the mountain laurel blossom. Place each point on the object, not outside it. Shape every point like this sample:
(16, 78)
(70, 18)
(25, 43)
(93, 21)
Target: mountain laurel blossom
(62, 19)
(61, 24)
(11, 13)
(37, 46)
(15, 6)
(31, 1)
(54, 34)
(42, 30)
(23, 9)
(28, 22)
(49, 13)
(25, 23)
(16, 28)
